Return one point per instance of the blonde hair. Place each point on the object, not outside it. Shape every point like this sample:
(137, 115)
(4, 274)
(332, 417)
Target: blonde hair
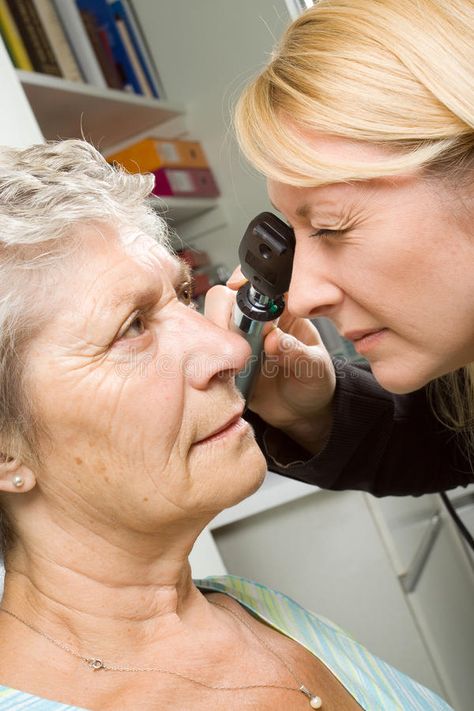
(46, 191)
(394, 73)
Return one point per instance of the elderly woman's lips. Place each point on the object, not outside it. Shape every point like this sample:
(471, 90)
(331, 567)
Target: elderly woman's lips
(233, 426)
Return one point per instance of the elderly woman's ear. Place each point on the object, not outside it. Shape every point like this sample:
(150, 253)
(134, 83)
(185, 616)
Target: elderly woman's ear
(15, 477)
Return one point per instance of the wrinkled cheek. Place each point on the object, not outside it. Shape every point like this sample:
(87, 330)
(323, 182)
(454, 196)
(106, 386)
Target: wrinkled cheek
(147, 426)
(164, 439)
(67, 400)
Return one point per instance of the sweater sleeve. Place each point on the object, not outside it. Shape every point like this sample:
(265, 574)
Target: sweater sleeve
(388, 445)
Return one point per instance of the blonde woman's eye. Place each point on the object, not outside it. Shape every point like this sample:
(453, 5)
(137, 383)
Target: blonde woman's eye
(327, 234)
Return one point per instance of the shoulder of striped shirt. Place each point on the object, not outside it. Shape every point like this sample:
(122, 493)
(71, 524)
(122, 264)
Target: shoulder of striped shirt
(266, 601)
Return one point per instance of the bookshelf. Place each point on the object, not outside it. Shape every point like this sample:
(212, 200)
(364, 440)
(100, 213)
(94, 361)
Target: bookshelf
(176, 209)
(108, 116)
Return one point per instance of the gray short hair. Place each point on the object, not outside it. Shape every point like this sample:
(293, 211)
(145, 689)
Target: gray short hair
(46, 191)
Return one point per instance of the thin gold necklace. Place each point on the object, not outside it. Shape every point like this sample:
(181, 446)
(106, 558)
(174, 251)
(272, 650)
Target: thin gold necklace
(96, 664)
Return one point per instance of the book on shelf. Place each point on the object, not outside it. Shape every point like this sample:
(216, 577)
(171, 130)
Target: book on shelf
(134, 42)
(130, 49)
(134, 23)
(96, 41)
(80, 43)
(35, 39)
(180, 167)
(154, 153)
(103, 52)
(105, 21)
(13, 40)
(62, 51)
(185, 182)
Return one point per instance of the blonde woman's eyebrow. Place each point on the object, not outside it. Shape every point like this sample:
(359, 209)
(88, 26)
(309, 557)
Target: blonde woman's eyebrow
(301, 211)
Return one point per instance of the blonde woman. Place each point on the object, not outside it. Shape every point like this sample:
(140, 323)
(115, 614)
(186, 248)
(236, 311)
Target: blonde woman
(363, 124)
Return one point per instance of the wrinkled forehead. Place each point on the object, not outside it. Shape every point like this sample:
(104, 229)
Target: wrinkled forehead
(107, 262)
(108, 248)
(147, 253)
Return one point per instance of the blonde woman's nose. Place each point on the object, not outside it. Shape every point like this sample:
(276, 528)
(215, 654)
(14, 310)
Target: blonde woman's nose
(313, 291)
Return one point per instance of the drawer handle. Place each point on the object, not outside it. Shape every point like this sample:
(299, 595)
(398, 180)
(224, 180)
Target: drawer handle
(409, 579)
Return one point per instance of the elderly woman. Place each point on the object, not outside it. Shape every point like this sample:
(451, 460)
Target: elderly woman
(121, 438)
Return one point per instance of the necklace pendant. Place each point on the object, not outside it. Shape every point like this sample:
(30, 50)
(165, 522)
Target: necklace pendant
(314, 701)
(96, 664)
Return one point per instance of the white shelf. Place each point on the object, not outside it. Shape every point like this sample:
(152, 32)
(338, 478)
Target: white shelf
(107, 118)
(66, 109)
(179, 209)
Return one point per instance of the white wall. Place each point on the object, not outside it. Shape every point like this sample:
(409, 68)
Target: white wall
(205, 52)
(18, 125)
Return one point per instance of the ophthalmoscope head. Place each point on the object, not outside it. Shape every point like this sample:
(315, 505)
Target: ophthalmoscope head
(266, 259)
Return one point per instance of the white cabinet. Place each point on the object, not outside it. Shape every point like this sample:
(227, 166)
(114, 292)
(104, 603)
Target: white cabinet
(437, 576)
(328, 550)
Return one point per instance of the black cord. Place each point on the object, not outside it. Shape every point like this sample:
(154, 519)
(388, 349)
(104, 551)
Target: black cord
(454, 515)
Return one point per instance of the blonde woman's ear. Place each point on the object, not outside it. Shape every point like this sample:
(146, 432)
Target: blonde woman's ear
(15, 477)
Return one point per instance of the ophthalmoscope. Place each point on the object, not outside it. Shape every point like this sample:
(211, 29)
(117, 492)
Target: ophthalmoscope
(266, 259)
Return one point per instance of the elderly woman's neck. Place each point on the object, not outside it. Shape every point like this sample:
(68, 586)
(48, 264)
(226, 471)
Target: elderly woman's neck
(105, 592)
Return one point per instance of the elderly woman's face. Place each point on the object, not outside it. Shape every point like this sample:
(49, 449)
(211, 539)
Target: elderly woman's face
(137, 392)
(393, 257)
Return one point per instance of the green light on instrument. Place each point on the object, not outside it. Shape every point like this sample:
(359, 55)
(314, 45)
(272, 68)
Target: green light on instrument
(272, 307)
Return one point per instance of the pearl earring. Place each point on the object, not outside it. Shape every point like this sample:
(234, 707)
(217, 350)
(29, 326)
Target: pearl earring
(18, 481)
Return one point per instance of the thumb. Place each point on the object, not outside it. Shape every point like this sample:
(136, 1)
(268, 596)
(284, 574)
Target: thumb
(298, 356)
(280, 343)
(236, 279)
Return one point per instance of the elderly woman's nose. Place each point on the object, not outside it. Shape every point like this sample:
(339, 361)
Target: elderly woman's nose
(212, 351)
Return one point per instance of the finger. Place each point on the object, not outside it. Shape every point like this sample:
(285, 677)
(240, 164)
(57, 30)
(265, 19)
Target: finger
(272, 342)
(236, 279)
(280, 343)
(218, 305)
(302, 328)
(293, 352)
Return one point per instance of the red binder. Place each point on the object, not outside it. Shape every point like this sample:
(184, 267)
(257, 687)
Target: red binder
(189, 182)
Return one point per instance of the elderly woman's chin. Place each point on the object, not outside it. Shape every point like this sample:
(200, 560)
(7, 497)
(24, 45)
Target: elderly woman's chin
(252, 471)
(238, 471)
(226, 468)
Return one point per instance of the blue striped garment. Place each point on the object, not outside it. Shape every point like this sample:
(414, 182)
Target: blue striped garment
(374, 684)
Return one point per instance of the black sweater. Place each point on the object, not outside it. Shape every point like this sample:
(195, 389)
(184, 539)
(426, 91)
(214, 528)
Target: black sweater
(382, 443)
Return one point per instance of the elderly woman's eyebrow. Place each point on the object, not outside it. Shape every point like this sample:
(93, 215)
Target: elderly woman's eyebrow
(184, 274)
(141, 297)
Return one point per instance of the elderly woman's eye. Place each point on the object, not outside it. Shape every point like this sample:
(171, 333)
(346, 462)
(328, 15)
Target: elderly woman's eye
(185, 293)
(135, 328)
